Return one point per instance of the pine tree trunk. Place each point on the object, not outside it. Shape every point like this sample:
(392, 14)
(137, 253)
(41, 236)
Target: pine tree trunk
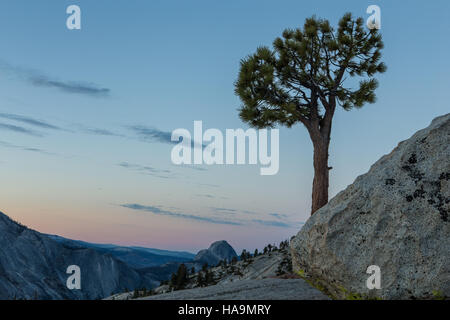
(321, 174)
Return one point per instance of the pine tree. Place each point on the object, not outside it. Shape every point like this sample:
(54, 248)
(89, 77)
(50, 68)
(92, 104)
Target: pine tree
(209, 278)
(302, 81)
(200, 280)
(173, 280)
(244, 255)
(181, 277)
(255, 254)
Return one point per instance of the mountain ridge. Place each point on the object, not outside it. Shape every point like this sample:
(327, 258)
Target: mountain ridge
(136, 257)
(33, 266)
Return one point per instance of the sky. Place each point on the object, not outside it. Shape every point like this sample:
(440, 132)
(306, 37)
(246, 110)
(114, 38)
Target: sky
(86, 116)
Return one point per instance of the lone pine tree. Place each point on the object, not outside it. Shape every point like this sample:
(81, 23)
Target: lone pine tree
(302, 80)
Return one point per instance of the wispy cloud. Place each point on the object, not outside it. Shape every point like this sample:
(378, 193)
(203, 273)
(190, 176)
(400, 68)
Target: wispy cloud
(19, 129)
(149, 134)
(191, 166)
(278, 215)
(39, 79)
(69, 87)
(224, 210)
(281, 220)
(209, 185)
(164, 212)
(102, 132)
(30, 121)
(158, 210)
(95, 131)
(273, 223)
(211, 196)
(29, 149)
(160, 173)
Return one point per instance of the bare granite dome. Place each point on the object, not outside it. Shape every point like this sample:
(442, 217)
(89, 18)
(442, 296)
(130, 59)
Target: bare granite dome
(219, 250)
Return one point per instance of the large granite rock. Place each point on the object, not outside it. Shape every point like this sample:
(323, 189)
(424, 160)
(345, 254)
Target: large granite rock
(396, 216)
(33, 266)
(219, 250)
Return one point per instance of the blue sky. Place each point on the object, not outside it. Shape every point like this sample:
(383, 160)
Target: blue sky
(84, 116)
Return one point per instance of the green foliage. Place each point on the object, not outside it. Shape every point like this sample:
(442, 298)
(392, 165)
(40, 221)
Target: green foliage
(303, 76)
(438, 295)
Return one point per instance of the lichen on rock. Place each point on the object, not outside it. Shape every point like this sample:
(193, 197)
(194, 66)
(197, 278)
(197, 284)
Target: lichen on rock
(396, 216)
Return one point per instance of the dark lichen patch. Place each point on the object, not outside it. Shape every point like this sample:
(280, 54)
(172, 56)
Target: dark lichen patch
(412, 159)
(420, 193)
(432, 193)
(444, 214)
(444, 176)
(436, 199)
(390, 182)
(413, 173)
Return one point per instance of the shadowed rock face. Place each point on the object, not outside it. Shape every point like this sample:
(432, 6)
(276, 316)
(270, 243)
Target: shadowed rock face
(396, 217)
(219, 250)
(33, 266)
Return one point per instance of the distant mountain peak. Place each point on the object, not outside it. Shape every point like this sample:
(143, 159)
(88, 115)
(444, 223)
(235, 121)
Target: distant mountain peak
(217, 251)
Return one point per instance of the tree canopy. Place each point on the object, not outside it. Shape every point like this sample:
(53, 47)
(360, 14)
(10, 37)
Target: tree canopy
(298, 80)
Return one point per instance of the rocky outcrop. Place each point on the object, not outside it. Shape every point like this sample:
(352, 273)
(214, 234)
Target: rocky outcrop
(219, 250)
(33, 266)
(396, 217)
